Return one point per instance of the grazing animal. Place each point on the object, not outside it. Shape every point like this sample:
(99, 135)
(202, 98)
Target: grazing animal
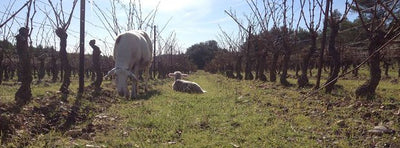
(132, 54)
(184, 86)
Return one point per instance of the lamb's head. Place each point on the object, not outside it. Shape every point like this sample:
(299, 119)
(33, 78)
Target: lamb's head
(121, 76)
(177, 75)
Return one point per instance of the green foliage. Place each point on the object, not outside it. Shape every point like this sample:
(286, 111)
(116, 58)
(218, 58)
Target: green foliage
(351, 32)
(202, 53)
(224, 61)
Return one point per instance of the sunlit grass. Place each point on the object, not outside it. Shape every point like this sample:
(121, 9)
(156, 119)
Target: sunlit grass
(235, 113)
(228, 114)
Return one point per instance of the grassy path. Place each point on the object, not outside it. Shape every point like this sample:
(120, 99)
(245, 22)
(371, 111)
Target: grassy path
(229, 114)
(247, 114)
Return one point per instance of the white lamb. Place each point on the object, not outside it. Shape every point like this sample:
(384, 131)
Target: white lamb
(183, 85)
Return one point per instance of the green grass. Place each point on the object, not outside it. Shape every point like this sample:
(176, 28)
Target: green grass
(228, 114)
(238, 113)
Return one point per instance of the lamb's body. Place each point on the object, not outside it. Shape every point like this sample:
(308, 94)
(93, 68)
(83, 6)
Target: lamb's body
(183, 85)
(187, 86)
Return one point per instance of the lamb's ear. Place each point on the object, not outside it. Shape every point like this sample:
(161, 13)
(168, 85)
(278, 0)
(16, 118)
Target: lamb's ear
(172, 75)
(185, 75)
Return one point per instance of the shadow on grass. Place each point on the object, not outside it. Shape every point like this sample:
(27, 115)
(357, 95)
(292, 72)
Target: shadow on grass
(73, 114)
(6, 121)
(148, 95)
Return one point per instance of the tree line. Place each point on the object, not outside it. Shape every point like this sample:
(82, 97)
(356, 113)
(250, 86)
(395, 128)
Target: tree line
(270, 39)
(268, 43)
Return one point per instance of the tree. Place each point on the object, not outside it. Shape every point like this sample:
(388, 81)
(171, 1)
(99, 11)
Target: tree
(41, 71)
(334, 24)
(323, 43)
(398, 68)
(288, 37)
(1, 63)
(382, 25)
(7, 21)
(53, 65)
(312, 27)
(261, 57)
(275, 31)
(23, 94)
(27, 4)
(202, 53)
(248, 75)
(61, 31)
(233, 43)
(96, 65)
(266, 41)
(263, 42)
(6, 63)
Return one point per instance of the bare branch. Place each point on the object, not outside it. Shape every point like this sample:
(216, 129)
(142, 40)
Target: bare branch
(319, 18)
(31, 19)
(48, 16)
(390, 11)
(8, 9)
(236, 20)
(383, 20)
(28, 14)
(166, 24)
(275, 12)
(41, 32)
(57, 16)
(12, 16)
(116, 27)
(320, 4)
(62, 11)
(361, 17)
(228, 38)
(70, 15)
(106, 23)
(257, 13)
(346, 11)
(302, 3)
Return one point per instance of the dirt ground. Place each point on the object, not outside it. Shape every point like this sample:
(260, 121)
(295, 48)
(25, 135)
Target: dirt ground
(44, 114)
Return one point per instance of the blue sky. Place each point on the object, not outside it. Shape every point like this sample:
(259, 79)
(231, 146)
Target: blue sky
(193, 21)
